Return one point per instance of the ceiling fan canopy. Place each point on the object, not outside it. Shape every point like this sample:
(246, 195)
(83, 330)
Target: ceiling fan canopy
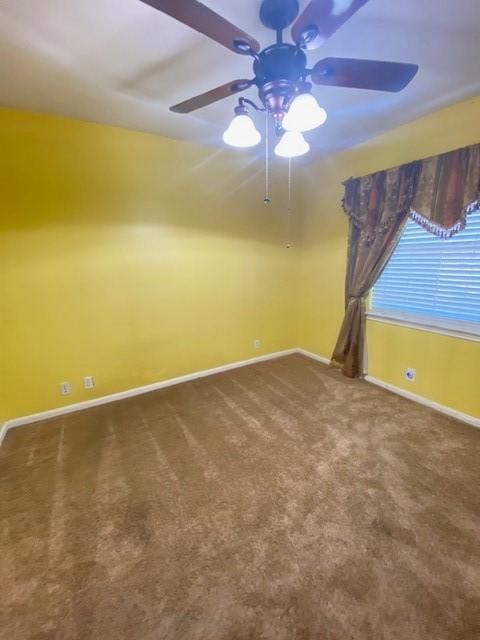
(280, 70)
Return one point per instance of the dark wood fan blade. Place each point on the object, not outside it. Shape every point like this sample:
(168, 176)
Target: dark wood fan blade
(199, 17)
(228, 89)
(321, 18)
(363, 74)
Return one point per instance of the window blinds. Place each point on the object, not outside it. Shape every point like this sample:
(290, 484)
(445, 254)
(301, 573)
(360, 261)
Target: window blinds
(430, 276)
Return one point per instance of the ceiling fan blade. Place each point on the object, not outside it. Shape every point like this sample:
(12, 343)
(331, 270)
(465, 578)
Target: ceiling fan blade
(321, 18)
(363, 74)
(228, 89)
(199, 17)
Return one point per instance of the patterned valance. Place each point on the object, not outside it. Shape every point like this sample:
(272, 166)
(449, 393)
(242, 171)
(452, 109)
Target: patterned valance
(437, 192)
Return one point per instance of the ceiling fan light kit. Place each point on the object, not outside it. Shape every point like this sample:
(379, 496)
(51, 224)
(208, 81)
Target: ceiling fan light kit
(304, 114)
(299, 114)
(280, 70)
(241, 132)
(292, 145)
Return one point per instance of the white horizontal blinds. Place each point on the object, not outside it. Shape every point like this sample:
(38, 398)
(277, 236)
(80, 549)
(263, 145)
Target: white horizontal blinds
(430, 276)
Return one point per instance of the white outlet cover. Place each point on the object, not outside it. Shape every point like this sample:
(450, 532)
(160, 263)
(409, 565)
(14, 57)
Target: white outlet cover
(88, 382)
(65, 388)
(257, 344)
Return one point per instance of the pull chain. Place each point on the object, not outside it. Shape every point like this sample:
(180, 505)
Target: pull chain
(267, 199)
(289, 206)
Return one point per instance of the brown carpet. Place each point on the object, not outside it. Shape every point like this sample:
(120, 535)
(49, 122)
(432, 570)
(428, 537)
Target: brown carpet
(279, 501)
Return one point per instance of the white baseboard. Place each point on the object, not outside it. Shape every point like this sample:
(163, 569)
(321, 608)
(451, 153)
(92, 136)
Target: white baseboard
(453, 413)
(312, 355)
(80, 406)
(3, 431)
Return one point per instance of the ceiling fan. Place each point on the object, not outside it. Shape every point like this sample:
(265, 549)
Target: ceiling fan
(280, 70)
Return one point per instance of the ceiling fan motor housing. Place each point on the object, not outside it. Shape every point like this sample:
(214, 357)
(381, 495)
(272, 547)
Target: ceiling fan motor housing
(278, 14)
(278, 70)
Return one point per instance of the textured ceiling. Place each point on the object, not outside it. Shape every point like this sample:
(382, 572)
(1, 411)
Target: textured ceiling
(123, 63)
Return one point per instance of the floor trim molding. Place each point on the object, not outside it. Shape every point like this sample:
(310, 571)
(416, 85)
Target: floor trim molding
(312, 355)
(136, 391)
(453, 413)
(80, 406)
(3, 431)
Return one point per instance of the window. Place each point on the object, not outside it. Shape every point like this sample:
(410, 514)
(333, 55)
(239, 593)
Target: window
(433, 283)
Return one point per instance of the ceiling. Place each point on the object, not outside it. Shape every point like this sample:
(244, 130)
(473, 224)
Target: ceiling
(123, 63)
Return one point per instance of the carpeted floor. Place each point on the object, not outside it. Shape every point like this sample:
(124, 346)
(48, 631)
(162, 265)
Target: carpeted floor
(278, 501)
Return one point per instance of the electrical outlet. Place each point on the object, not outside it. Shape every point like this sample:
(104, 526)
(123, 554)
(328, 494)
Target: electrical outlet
(410, 374)
(257, 344)
(65, 388)
(88, 382)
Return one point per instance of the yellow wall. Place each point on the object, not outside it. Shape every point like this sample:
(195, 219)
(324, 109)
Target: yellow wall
(132, 258)
(447, 368)
(136, 258)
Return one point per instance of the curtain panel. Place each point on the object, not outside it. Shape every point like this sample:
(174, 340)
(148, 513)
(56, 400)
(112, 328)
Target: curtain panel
(437, 193)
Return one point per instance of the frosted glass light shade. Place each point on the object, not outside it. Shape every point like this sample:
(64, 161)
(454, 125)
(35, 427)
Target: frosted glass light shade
(304, 114)
(241, 132)
(292, 144)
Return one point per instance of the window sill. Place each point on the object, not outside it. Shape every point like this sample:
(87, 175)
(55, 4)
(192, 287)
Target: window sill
(455, 328)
